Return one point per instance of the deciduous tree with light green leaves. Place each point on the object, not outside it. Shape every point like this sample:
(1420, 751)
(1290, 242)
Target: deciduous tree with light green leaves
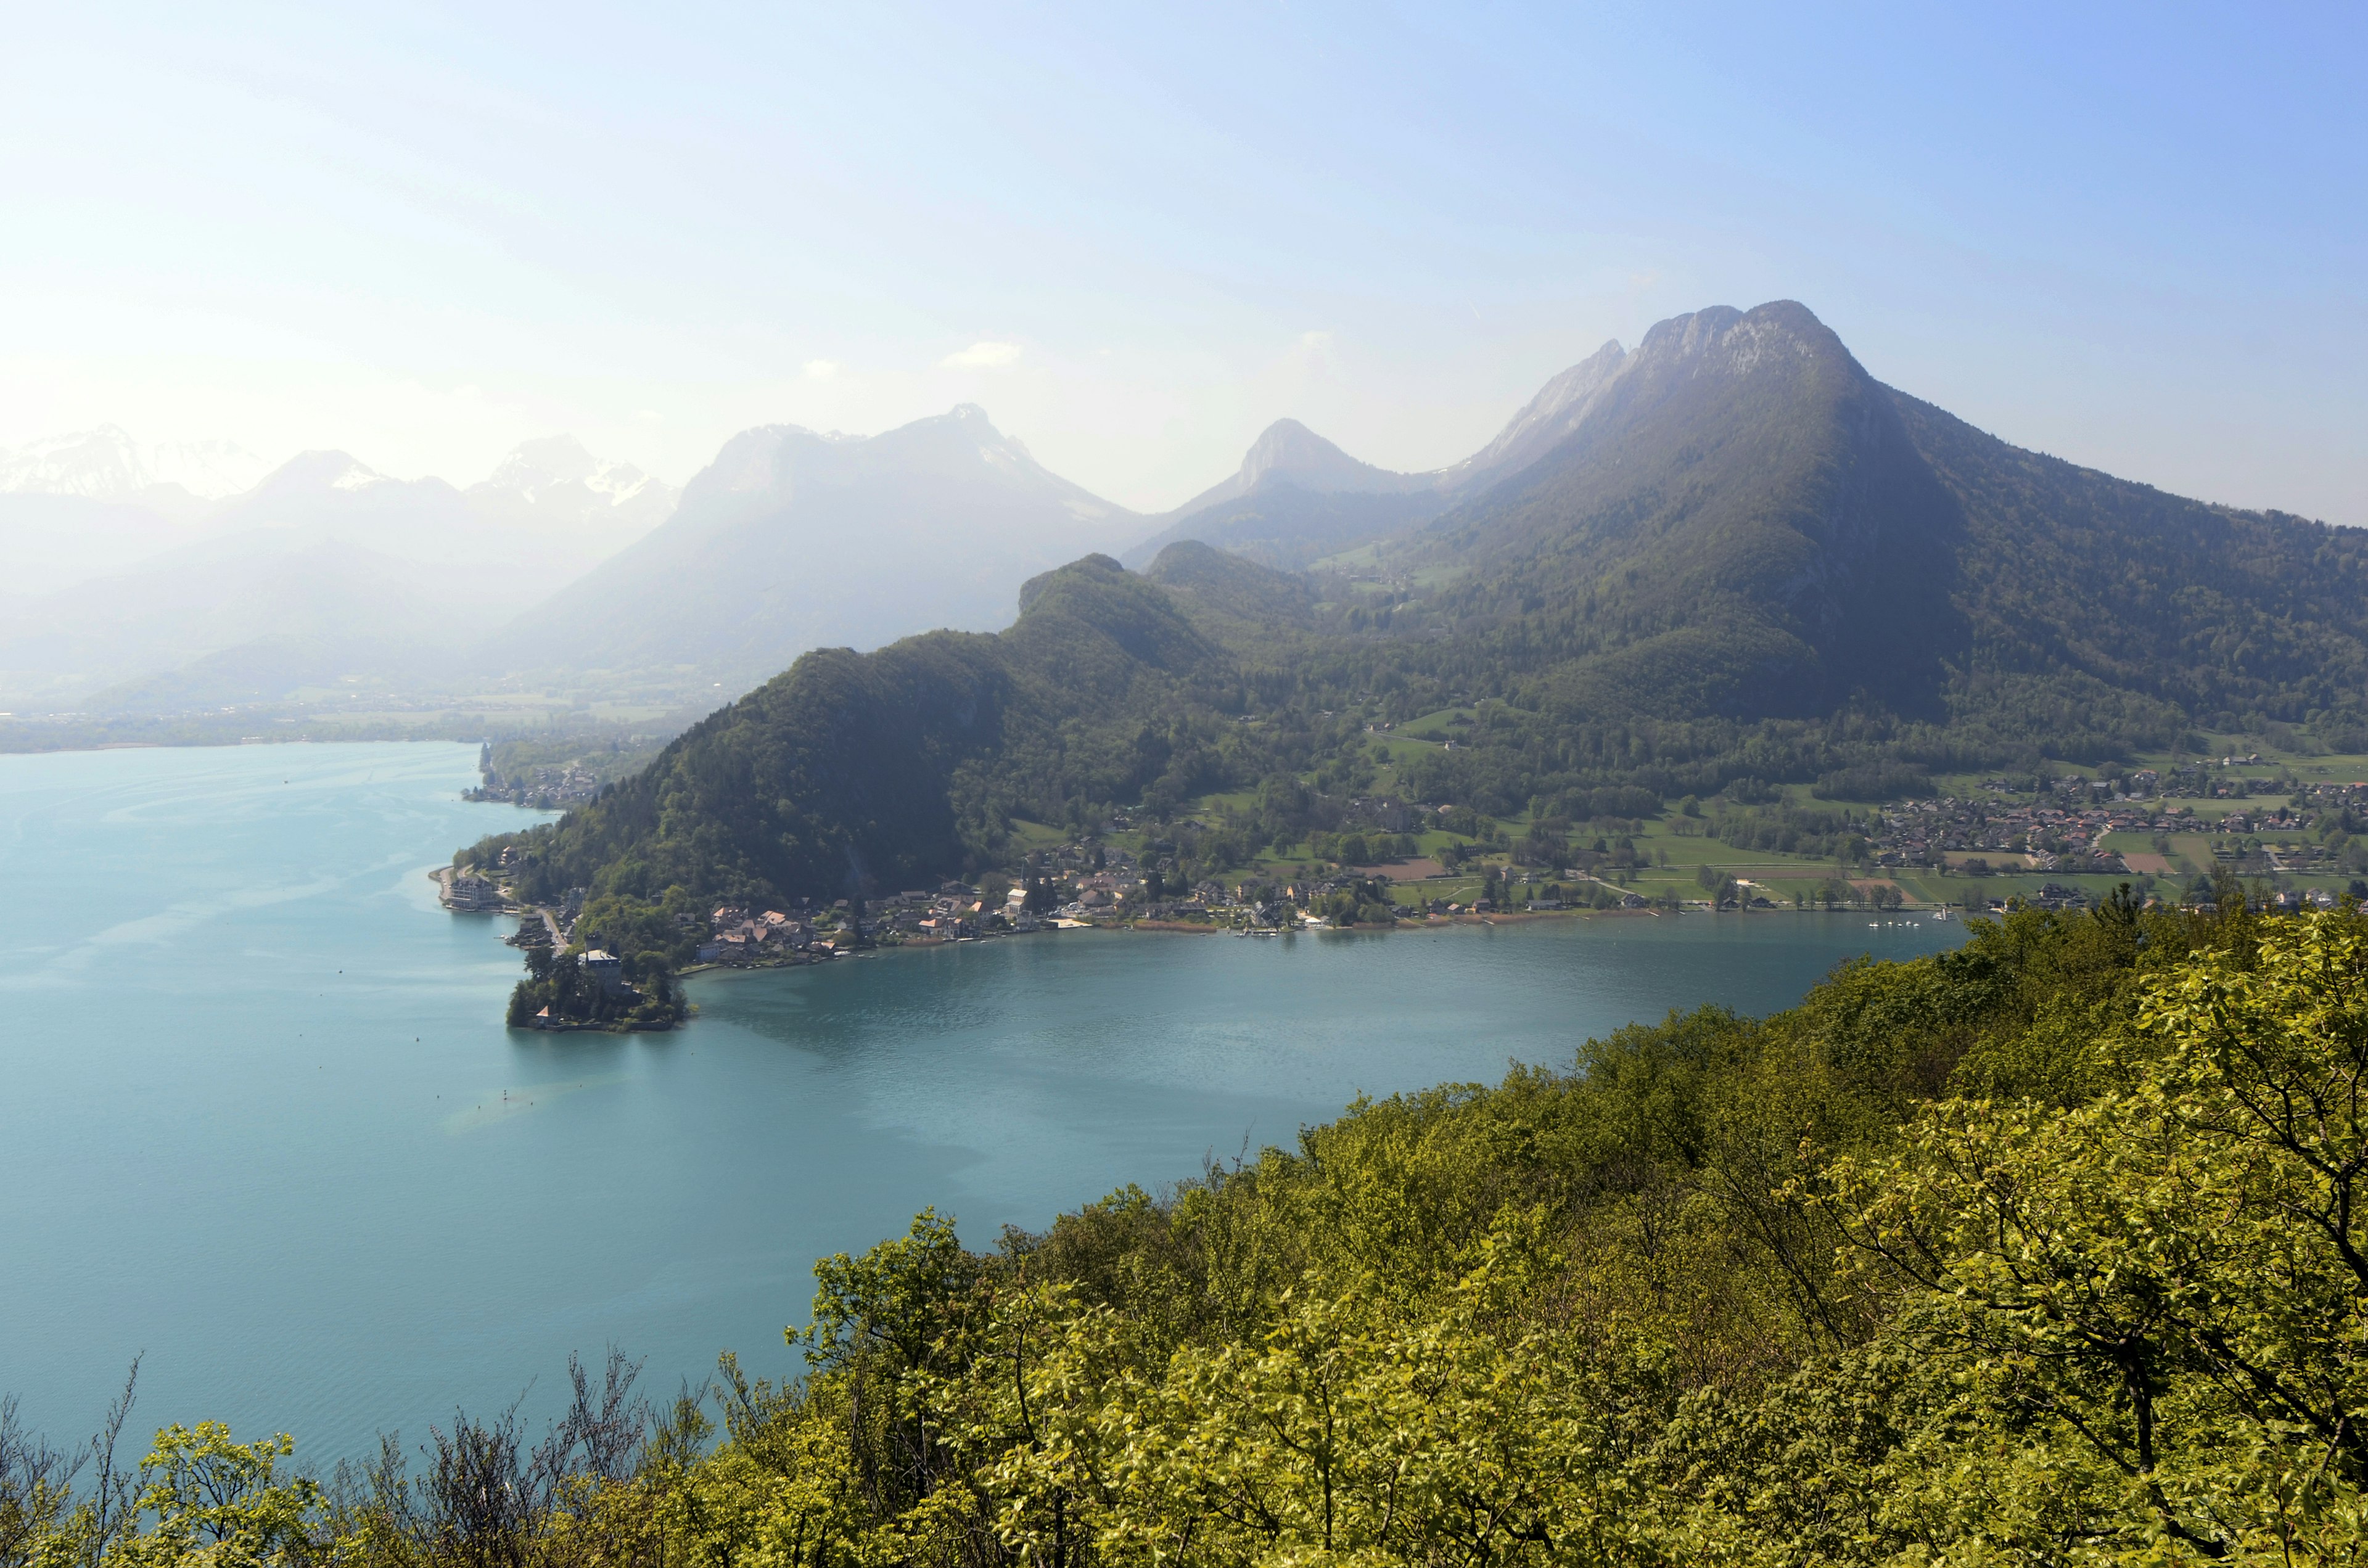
(2149, 1310)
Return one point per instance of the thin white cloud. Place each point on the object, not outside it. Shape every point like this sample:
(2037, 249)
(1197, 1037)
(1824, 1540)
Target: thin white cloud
(983, 356)
(821, 369)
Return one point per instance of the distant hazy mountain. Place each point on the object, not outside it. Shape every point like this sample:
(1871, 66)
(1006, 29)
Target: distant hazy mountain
(324, 564)
(1289, 452)
(1298, 498)
(107, 464)
(362, 612)
(554, 491)
(77, 506)
(792, 541)
(550, 509)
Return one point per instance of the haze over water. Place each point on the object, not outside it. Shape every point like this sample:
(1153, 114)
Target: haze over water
(259, 1118)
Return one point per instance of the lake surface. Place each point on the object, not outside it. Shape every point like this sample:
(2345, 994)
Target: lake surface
(261, 1121)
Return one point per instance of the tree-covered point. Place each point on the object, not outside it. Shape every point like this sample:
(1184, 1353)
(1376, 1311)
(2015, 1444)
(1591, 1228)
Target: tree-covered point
(2046, 1250)
(569, 989)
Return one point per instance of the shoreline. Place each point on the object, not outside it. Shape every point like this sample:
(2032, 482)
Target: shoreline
(1433, 924)
(445, 875)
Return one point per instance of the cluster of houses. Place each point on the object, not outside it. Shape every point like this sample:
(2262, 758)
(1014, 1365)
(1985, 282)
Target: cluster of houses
(956, 911)
(2038, 835)
(738, 936)
(2196, 778)
(2064, 831)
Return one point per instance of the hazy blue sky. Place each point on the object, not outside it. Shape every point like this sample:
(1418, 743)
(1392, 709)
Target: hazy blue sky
(2133, 236)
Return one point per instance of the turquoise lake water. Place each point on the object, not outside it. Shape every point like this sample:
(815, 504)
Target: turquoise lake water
(259, 1119)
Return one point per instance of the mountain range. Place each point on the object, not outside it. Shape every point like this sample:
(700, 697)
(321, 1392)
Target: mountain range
(558, 568)
(107, 464)
(1730, 524)
(172, 578)
(160, 579)
(1728, 556)
(133, 592)
(1298, 498)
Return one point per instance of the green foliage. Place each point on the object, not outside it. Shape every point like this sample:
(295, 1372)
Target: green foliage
(2046, 1250)
(222, 1501)
(1793, 830)
(852, 773)
(1874, 781)
(564, 990)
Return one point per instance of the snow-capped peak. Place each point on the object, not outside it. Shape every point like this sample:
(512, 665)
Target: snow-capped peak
(355, 476)
(107, 464)
(533, 468)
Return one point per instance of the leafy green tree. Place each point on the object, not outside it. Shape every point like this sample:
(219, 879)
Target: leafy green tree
(208, 1498)
(2155, 1301)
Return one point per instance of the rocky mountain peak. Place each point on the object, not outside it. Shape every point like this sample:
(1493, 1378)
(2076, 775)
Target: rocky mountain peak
(1724, 338)
(1291, 450)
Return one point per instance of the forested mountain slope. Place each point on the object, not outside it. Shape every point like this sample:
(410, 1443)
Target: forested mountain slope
(2226, 613)
(1286, 524)
(1739, 525)
(1736, 522)
(1237, 598)
(852, 773)
(1744, 524)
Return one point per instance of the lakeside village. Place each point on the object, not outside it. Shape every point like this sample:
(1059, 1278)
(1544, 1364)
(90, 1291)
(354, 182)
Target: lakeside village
(2071, 828)
(1440, 866)
(544, 787)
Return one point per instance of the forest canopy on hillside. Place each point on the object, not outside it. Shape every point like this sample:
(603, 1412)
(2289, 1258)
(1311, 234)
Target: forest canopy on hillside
(2046, 1250)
